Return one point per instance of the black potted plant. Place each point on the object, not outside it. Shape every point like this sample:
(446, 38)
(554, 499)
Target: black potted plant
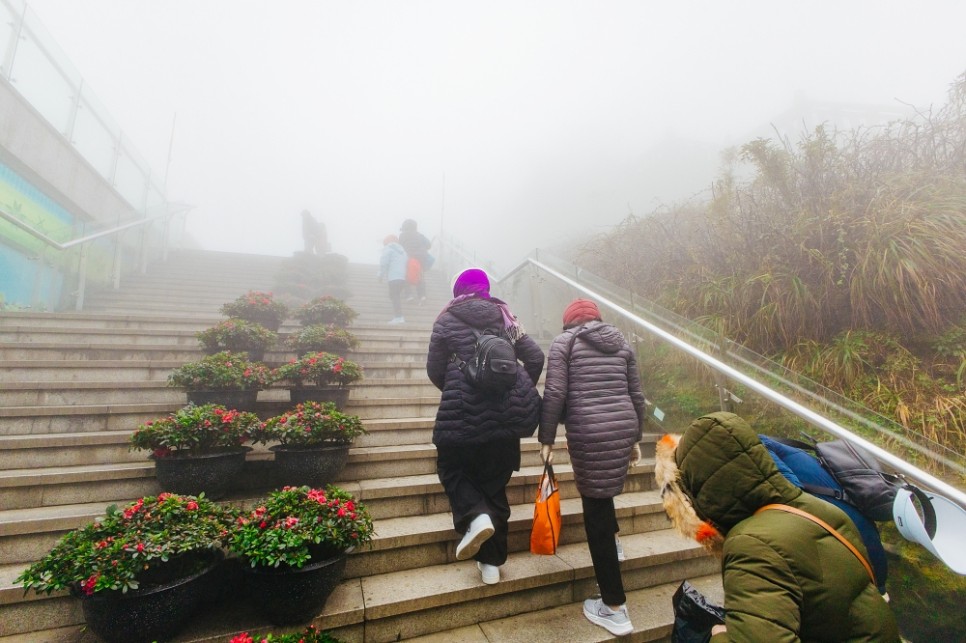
(257, 306)
(294, 547)
(313, 442)
(319, 377)
(322, 337)
(198, 448)
(237, 335)
(223, 378)
(141, 571)
(326, 310)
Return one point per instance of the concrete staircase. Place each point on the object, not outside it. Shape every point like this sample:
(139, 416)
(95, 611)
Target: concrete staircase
(74, 385)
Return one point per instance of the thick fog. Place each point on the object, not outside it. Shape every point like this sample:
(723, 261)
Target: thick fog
(511, 125)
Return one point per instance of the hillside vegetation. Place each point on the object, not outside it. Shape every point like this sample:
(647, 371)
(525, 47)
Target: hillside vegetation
(843, 255)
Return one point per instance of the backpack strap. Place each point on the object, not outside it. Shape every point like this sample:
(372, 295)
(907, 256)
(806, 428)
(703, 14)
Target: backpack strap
(838, 494)
(827, 527)
(573, 340)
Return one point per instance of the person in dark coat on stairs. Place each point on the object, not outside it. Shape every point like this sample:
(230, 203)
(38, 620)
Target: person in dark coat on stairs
(592, 373)
(477, 433)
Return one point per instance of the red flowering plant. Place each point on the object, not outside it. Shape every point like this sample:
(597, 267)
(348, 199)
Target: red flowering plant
(322, 337)
(326, 310)
(257, 306)
(198, 429)
(319, 369)
(311, 424)
(311, 634)
(224, 371)
(299, 524)
(236, 335)
(152, 541)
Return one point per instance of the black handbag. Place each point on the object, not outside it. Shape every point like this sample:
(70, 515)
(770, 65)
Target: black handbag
(694, 615)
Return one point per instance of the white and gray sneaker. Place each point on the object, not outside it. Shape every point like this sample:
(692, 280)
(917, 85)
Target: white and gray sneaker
(479, 530)
(616, 622)
(489, 573)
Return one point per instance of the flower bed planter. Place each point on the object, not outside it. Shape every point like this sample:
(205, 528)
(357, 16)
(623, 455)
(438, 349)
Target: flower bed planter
(149, 614)
(190, 474)
(288, 595)
(315, 466)
(238, 400)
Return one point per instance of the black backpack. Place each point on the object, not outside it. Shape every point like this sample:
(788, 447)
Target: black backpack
(864, 485)
(493, 366)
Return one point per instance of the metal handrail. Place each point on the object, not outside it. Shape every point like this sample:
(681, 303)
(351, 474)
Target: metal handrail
(82, 242)
(908, 470)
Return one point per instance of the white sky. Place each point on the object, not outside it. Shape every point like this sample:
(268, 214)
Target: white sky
(543, 116)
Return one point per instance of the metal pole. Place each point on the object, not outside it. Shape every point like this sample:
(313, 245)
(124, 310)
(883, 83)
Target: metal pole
(81, 278)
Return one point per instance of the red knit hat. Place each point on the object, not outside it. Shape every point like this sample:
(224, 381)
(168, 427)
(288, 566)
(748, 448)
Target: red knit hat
(580, 311)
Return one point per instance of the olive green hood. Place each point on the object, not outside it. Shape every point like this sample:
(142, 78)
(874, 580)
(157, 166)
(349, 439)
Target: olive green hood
(727, 472)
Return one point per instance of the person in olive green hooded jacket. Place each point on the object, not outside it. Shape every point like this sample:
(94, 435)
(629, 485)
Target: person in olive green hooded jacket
(785, 578)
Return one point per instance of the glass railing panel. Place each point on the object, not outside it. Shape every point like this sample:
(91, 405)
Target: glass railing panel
(94, 139)
(926, 596)
(36, 74)
(130, 179)
(10, 13)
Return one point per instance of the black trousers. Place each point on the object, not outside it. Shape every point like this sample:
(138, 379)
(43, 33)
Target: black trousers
(475, 480)
(600, 524)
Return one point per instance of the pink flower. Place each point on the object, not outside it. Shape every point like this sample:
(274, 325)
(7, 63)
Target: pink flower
(191, 506)
(291, 521)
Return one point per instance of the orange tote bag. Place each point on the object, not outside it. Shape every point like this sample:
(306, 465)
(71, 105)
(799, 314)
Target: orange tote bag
(545, 534)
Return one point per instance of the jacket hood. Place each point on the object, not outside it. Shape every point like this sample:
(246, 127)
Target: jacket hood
(479, 313)
(603, 337)
(716, 475)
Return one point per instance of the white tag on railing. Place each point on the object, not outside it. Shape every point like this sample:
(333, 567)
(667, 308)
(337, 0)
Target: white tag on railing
(658, 414)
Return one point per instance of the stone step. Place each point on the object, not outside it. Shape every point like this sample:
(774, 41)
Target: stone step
(171, 320)
(21, 420)
(108, 481)
(28, 531)
(143, 370)
(367, 336)
(650, 610)
(410, 573)
(78, 449)
(107, 350)
(158, 392)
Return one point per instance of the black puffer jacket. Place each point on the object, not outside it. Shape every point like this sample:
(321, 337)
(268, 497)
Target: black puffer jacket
(601, 390)
(467, 415)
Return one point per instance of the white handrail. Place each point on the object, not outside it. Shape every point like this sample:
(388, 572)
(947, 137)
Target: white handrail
(919, 476)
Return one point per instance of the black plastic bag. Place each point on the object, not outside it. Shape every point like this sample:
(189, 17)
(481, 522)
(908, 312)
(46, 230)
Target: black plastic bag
(694, 616)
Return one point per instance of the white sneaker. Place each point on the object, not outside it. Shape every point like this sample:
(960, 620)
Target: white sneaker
(620, 549)
(617, 622)
(397, 320)
(480, 529)
(490, 573)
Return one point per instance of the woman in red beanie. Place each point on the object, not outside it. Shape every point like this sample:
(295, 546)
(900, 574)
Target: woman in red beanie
(592, 373)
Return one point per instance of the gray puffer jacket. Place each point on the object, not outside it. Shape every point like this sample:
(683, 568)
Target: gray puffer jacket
(599, 386)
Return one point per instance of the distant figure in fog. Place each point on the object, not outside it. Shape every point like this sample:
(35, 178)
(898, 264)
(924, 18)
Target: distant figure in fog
(392, 268)
(416, 246)
(313, 234)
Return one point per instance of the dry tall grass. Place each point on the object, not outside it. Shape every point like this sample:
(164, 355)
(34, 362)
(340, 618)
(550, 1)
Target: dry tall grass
(837, 249)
